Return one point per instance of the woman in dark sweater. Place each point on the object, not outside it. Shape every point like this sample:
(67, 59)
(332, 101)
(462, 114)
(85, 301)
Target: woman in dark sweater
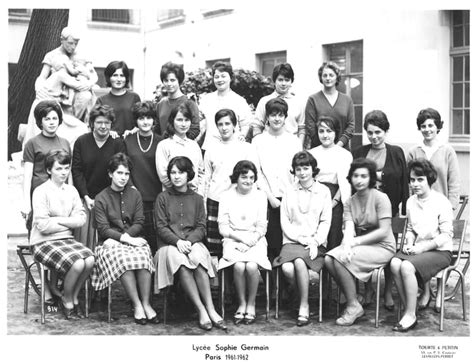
(141, 149)
(122, 253)
(92, 152)
(181, 229)
(391, 177)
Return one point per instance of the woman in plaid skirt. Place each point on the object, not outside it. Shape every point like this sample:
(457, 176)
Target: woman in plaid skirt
(57, 209)
(121, 252)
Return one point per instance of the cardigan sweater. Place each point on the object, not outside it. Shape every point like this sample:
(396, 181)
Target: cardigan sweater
(89, 163)
(179, 216)
(342, 111)
(446, 165)
(394, 175)
(119, 212)
(143, 172)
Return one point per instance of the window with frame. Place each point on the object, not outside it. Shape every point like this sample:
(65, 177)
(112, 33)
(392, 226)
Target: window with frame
(121, 16)
(267, 61)
(460, 75)
(349, 57)
(170, 17)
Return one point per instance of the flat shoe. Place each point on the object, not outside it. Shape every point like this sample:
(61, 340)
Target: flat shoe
(153, 320)
(207, 326)
(423, 307)
(220, 325)
(400, 328)
(389, 307)
(302, 320)
(78, 311)
(239, 317)
(140, 321)
(437, 309)
(347, 319)
(249, 319)
(67, 312)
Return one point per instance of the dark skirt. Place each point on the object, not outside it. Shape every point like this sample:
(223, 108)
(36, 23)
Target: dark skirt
(427, 264)
(290, 252)
(213, 236)
(149, 232)
(60, 255)
(274, 234)
(335, 234)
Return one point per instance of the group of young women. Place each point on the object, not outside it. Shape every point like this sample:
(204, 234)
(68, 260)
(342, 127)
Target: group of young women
(294, 198)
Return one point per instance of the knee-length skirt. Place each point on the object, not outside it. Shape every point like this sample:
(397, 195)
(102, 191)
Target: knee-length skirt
(256, 254)
(427, 264)
(291, 252)
(168, 260)
(212, 226)
(364, 260)
(60, 255)
(115, 260)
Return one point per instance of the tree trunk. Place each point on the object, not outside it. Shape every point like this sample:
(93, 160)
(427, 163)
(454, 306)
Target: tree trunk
(43, 35)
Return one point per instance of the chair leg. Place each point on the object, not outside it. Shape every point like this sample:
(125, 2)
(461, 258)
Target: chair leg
(27, 290)
(86, 298)
(222, 274)
(165, 304)
(338, 293)
(463, 297)
(321, 296)
(43, 284)
(109, 303)
(441, 319)
(277, 292)
(377, 297)
(458, 283)
(267, 294)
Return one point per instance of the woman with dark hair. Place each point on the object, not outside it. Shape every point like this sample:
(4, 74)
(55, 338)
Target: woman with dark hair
(92, 152)
(172, 76)
(334, 163)
(243, 223)
(223, 98)
(275, 149)
(368, 241)
(445, 162)
(141, 149)
(122, 252)
(219, 161)
(178, 144)
(57, 209)
(428, 241)
(120, 98)
(391, 175)
(305, 220)
(330, 102)
(181, 228)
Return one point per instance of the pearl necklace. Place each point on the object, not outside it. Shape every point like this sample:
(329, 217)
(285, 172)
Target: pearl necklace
(140, 146)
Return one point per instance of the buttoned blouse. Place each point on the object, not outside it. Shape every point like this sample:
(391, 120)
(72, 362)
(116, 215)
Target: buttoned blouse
(119, 212)
(306, 212)
(179, 216)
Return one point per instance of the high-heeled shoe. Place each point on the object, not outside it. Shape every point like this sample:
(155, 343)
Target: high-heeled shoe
(422, 307)
(400, 328)
(220, 325)
(154, 320)
(78, 311)
(67, 312)
(207, 326)
(140, 321)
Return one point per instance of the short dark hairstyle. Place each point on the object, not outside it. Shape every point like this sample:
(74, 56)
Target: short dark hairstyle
(56, 155)
(304, 158)
(184, 164)
(429, 113)
(114, 66)
(223, 67)
(277, 105)
(376, 118)
(423, 167)
(184, 108)
(364, 163)
(101, 110)
(43, 108)
(332, 65)
(143, 109)
(243, 167)
(226, 112)
(331, 123)
(118, 159)
(176, 69)
(285, 70)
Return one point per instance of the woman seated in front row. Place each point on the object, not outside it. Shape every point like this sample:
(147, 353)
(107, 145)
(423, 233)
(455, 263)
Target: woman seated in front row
(368, 241)
(306, 211)
(243, 223)
(57, 209)
(121, 252)
(181, 228)
(428, 242)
